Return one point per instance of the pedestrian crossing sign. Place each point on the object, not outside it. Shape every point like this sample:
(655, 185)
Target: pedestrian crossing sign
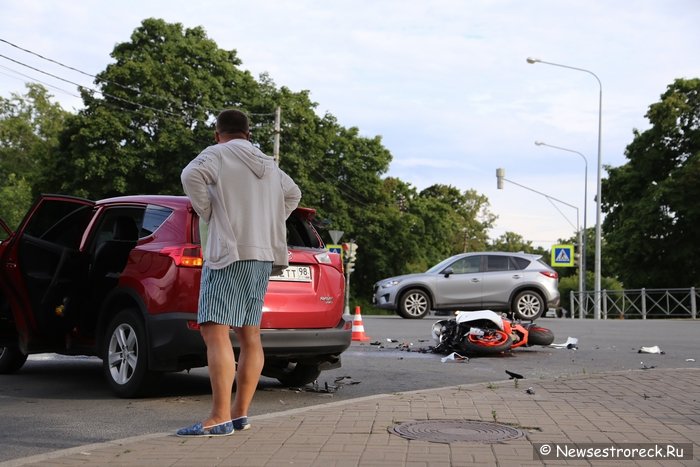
(335, 249)
(563, 255)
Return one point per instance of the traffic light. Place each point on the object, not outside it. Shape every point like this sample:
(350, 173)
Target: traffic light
(350, 250)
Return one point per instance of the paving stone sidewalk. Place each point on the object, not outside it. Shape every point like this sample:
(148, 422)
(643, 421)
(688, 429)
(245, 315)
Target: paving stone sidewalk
(642, 406)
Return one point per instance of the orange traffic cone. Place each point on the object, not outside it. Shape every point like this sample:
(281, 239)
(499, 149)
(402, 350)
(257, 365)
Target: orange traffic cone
(358, 329)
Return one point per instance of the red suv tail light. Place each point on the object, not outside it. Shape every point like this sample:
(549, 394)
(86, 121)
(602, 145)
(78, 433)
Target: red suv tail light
(550, 274)
(188, 256)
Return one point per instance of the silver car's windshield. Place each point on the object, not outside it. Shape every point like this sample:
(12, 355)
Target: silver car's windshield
(441, 265)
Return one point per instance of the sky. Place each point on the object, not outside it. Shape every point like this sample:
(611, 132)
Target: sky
(445, 83)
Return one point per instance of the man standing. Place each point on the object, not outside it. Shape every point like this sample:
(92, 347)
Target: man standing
(245, 199)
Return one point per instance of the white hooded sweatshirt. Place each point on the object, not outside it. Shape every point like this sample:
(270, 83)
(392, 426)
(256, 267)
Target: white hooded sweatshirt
(245, 199)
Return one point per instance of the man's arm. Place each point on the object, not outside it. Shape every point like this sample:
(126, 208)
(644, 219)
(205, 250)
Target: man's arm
(200, 172)
(292, 193)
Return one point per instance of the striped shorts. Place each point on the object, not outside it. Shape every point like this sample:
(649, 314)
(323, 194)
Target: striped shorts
(234, 295)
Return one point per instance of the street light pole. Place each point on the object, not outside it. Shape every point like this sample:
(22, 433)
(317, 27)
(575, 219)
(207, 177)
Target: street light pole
(583, 240)
(501, 177)
(598, 198)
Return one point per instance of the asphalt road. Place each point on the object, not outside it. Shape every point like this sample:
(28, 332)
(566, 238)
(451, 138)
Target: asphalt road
(58, 402)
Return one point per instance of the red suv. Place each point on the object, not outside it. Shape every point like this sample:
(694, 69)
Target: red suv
(119, 279)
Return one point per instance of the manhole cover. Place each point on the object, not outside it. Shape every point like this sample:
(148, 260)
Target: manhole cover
(451, 431)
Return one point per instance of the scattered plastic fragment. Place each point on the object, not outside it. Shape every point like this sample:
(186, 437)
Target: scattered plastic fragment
(645, 367)
(391, 340)
(454, 357)
(327, 389)
(405, 346)
(514, 375)
(530, 391)
(375, 343)
(341, 380)
(654, 349)
(571, 343)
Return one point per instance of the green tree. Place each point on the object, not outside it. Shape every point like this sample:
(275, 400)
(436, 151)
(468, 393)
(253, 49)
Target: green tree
(30, 125)
(152, 115)
(460, 220)
(15, 199)
(651, 202)
(406, 231)
(511, 241)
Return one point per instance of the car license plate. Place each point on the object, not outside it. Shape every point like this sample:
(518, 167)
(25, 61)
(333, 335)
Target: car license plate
(294, 274)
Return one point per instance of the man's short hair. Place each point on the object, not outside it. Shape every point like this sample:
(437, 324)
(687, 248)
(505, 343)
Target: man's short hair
(232, 121)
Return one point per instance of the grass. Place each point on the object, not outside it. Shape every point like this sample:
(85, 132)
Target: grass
(366, 308)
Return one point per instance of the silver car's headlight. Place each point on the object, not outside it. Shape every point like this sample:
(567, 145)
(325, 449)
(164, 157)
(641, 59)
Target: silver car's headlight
(390, 283)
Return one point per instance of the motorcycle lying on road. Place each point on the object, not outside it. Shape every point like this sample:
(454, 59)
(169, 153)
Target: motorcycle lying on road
(486, 332)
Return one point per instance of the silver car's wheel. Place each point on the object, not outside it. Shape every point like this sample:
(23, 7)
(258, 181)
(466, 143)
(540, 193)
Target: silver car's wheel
(528, 305)
(415, 304)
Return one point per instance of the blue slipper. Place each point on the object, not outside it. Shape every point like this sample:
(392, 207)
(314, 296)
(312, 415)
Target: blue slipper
(240, 423)
(222, 429)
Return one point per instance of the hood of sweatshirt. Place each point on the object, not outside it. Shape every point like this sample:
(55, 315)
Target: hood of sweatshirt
(251, 156)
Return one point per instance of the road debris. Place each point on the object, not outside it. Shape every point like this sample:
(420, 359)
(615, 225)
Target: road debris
(530, 391)
(405, 346)
(571, 343)
(654, 349)
(325, 388)
(645, 367)
(454, 357)
(514, 375)
(341, 380)
(689, 359)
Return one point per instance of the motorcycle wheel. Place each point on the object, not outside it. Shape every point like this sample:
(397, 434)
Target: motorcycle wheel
(539, 336)
(492, 342)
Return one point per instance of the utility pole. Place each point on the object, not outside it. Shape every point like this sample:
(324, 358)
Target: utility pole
(277, 131)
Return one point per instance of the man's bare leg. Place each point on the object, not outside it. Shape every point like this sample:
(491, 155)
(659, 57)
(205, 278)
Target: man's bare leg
(250, 364)
(222, 370)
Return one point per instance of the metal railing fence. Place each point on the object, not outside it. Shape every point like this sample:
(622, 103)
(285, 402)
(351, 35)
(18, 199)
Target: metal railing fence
(636, 304)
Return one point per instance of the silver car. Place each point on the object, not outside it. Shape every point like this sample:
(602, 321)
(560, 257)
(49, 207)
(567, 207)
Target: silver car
(518, 283)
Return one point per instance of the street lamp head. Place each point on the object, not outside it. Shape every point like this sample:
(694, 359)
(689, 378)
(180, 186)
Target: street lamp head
(500, 175)
(539, 143)
(531, 60)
